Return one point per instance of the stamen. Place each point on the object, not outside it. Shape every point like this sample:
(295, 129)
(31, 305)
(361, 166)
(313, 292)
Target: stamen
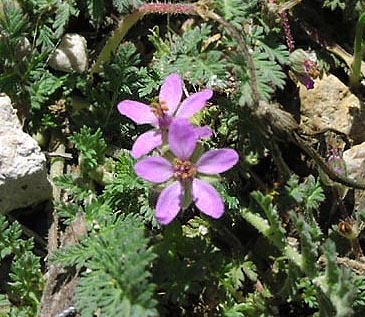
(184, 170)
(310, 67)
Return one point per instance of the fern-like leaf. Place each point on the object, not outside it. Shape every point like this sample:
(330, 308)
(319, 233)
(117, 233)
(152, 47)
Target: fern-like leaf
(65, 10)
(97, 11)
(309, 239)
(126, 6)
(116, 282)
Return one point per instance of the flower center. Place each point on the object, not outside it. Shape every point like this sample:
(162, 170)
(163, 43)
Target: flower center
(160, 109)
(310, 67)
(184, 170)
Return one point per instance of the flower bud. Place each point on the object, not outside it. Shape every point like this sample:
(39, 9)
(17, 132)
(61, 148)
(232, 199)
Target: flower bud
(305, 67)
(348, 229)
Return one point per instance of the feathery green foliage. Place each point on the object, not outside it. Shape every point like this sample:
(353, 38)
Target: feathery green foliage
(336, 283)
(189, 54)
(334, 4)
(65, 10)
(126, 6)
(116, 280)
(97, 11)
(273, 253)
(309, 239)
(128, 193)
(92, 149)
(276, 232)
(236, 11)
(23, 285)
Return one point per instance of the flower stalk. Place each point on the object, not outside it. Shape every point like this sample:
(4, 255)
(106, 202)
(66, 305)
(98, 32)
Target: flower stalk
(358, 53)
(264, 228)
(129, 20)
(113, 42)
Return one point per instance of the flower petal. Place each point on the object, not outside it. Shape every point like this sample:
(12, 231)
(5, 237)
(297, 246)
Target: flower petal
(194, 103)
(171, 92)
(306, 80)
(217, 161)
(139, 112)
(169, 203)
(154, 169)
(146, 142)
(182, 138)
(203, 132)
(207, 199)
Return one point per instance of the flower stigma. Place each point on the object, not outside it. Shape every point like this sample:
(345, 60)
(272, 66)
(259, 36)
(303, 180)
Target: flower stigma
(310, 67)
(184, 170)
(160, 109)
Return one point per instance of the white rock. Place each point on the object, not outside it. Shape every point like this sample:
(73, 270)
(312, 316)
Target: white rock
(23, 174)
(354, 159)
(355, 163)
(71, 54)
(8, 117)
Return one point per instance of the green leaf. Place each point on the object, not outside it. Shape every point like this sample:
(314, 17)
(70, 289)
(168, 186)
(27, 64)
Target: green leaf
(46, 39)
(188, 55)
(334, 4)
(117, 258)
(276, 232)
(24, 281)
(126, 6)
(92, 148)
(65, 10)
(13, 22)
(309, 240)
(97, 11)
(337, 283)
(44, 85)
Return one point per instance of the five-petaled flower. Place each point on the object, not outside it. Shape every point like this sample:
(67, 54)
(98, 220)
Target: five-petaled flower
(184, 171)
(160, 114)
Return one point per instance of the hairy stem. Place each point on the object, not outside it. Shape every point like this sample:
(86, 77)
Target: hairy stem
(263, 227)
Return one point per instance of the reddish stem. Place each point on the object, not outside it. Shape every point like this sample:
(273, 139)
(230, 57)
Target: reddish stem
(171, 8)
(287, 31)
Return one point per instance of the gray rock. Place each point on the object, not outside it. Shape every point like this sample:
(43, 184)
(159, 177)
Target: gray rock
(23, 173)
(71, 54)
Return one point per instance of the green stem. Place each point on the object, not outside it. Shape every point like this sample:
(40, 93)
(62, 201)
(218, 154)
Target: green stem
(128, 21)
(294, 256)
(358, 52)
(263, 227)
(176, 8)
(111, 45)
(324, 304)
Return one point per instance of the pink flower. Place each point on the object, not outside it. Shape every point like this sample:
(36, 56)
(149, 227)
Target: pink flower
(160, 114)
(184, 174)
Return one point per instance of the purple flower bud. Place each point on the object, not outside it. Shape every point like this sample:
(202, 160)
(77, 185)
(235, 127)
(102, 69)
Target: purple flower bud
(336, 162)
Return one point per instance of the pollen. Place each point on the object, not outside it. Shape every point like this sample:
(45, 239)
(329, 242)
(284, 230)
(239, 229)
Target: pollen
(184, 170)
